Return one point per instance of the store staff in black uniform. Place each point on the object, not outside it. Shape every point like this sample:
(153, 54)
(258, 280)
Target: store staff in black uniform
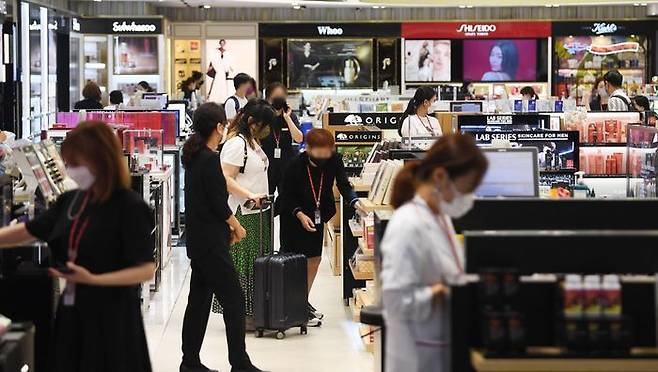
(285, 129)
(210, 229)
(103, 233)
(307, 201)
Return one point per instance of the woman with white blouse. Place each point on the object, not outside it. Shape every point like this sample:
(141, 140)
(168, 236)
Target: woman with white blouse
(416, 121)
(245, 164)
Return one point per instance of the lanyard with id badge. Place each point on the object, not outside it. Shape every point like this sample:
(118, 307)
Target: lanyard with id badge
(277, 141)
(75, 235)
(316, 196)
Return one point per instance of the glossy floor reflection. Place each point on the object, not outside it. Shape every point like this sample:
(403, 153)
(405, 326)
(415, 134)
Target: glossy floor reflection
(333, 347)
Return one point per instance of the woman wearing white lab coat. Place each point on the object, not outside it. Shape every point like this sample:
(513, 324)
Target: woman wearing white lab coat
(421, 257)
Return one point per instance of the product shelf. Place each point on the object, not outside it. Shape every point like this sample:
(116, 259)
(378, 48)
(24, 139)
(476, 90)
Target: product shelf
(360, 275)
(605, 176)
(357, 230)
(553, 360)
(610, 144)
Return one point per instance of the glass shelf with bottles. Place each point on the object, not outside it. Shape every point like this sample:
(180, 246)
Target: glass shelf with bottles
(600, 129)
(642, 161)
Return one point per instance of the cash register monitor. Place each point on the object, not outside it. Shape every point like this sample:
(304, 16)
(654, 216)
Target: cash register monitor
(512, 172)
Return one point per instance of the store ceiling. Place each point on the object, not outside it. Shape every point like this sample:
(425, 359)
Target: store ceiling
(397, 3)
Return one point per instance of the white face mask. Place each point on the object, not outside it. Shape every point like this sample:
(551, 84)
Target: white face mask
(82, 176)
(460, 204)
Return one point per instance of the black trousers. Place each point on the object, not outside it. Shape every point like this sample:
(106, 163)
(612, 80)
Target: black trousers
(215, 274)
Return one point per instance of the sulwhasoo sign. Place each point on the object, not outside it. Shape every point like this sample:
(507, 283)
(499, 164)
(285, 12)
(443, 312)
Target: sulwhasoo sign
(133, 27)
(476, 30)
(601, 28)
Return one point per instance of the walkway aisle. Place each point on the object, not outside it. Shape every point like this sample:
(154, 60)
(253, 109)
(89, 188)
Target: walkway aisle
(332, 348)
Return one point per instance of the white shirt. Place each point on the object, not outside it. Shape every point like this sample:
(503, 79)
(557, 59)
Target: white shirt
(254, 177)
(229, 106)
(618, 104)
(419, 250)
(417, 126)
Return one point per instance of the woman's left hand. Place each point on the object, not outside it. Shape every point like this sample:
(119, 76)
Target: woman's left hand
(78, 274)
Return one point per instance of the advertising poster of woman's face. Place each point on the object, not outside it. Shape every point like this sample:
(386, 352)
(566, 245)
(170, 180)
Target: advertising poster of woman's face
(500, 60)
(427, 60)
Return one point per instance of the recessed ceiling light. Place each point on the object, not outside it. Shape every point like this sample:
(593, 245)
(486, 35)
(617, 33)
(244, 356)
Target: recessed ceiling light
(469, 6)
(375, 6)
(207, 6)
(462, 7)
(548, 5)
(98, 1)
(643, 4)
(636, 4)
(556, 5)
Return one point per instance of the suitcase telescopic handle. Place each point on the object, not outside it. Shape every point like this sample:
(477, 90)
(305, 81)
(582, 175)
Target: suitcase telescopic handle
(267, 201)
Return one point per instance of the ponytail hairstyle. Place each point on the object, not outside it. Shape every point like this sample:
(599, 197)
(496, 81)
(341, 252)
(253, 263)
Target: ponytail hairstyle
(424, 93)
(457, 153)
(256, 113)
(206, 118)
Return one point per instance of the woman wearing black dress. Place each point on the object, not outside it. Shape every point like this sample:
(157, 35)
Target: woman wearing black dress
(285, 130)
(103, 233)
(210, 229)
(307, 201)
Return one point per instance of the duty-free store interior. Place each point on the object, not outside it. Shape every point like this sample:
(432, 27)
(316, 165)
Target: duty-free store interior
(362, 185)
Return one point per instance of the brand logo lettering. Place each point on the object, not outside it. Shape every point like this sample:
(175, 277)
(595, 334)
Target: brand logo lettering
(328, 30)
(132, 27)
(604, 28)
(358, 136)
(476, 30)
(499, 119)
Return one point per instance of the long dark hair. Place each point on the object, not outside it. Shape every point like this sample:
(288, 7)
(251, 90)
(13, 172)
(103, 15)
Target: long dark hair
(422, 94)
(256, 112)
(510, 57)
(457, 153)
(206, 118)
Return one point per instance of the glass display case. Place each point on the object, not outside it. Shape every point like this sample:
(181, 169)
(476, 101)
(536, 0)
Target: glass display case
(75, 88)
(642, 161)
(167, 121)
(145, 147)
(96, 61)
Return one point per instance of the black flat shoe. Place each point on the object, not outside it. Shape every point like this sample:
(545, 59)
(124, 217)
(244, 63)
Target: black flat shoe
(201, 368)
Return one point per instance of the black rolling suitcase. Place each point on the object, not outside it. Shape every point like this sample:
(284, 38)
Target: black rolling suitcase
(280, 291)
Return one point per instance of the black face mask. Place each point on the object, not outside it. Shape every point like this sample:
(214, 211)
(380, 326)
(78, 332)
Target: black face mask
(279, 103)
(319, 162)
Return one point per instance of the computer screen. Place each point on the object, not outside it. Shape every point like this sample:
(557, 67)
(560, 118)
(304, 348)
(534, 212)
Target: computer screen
(511, 173)
(465, 106)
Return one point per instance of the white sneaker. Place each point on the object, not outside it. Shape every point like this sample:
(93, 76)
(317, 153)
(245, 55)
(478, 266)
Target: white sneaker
(313, 321)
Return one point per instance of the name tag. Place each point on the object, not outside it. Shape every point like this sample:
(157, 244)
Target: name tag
(277, 153)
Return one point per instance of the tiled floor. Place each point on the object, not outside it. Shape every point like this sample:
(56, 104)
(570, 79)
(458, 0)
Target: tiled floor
(333, 347)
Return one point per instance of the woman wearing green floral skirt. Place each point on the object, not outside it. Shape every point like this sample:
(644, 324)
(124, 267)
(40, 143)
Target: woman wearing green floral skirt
(245, 167)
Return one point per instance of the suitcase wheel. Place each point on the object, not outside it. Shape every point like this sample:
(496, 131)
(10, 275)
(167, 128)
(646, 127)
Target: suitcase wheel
(280, 335)
(259, 333)
(303, 330)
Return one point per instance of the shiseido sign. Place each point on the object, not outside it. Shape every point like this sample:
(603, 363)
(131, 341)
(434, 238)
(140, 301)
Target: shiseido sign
(476, 30)
(381, 120)
(121, 26)
(329, 31)
(358, 136)
(603, 28)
